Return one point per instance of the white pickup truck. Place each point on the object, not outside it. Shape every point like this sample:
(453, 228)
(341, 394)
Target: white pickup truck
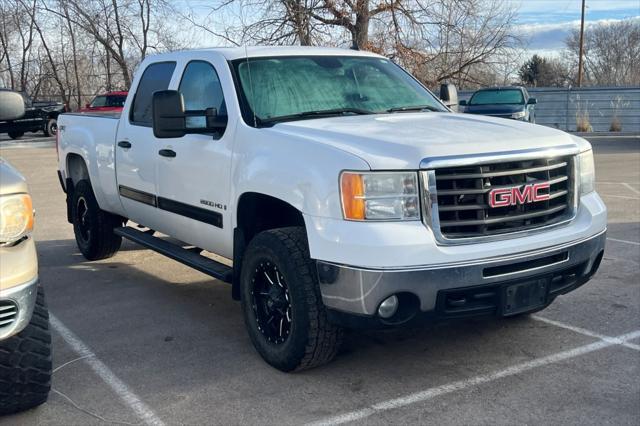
(344, 193)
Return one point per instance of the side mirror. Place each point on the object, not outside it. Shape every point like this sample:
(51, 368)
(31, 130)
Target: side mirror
(462, 103)
(11, 105)
(87, 105)
(170, 120)
(532, 101)
(168, 114)
(449, 96)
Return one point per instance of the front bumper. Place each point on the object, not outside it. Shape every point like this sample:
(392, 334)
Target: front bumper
(359, 291)
(18, 303)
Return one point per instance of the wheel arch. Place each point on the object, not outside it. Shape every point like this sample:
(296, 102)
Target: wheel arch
(77, 169)
(257, 212)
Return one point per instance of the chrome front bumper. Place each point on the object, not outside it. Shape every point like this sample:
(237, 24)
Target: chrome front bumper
(24, 297)
(360, 291)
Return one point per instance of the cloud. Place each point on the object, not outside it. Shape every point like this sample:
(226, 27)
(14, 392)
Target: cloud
(572, 6)
(551, 36)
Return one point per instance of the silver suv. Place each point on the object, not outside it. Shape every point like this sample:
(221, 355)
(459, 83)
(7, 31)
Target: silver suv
(25, 340)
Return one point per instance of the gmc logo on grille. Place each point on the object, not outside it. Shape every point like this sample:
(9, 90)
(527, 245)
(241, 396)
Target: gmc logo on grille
(523, 194)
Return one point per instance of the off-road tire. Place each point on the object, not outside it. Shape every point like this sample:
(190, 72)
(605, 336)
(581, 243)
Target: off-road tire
(313, 340)
(93, 227)
(25, 363)
(15, 135)
(51, 128)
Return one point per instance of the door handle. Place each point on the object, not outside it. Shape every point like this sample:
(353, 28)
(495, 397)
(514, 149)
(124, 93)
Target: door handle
(167, 153)
(124, 144)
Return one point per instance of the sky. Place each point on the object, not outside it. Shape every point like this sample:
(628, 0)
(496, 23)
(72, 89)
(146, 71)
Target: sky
(545, 24)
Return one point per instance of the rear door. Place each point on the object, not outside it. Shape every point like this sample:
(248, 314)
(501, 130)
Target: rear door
(137, 149)
(193, 185)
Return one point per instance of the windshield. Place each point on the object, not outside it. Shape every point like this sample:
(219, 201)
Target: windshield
(493, 97)
(289, 88)
(108, 101)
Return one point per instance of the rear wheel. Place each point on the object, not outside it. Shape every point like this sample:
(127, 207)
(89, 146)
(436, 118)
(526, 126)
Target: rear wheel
(283, 310)
(51, 128)
(25, 363)
(16, 135)
(92, 226)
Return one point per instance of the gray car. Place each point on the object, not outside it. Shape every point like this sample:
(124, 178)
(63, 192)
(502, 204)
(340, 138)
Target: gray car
(507, 102)
(25, 340)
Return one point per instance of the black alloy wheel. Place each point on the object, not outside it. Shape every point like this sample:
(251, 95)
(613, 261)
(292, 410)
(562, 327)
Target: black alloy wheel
(84, 220)
(270, 302)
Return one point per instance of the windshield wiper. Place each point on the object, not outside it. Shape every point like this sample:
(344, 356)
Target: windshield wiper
(414, 108)
(318, 113)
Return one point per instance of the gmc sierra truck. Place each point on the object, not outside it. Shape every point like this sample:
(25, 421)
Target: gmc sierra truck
(342, 191)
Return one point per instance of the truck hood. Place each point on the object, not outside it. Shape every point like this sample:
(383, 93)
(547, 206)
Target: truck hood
(502, 109)
(402, 140)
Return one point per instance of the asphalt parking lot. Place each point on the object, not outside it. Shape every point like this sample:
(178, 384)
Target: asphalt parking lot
(140, 339)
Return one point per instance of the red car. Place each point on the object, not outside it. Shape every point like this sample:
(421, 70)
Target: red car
(110, 101)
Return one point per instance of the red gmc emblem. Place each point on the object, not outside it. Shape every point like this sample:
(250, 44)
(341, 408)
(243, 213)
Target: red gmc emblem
(522, 194)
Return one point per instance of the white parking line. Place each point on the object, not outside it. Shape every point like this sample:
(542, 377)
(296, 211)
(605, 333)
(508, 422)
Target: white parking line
(624, 197)
(118, 386)
(631, 188)
(586, 332)
(624, 241)
(475, 381)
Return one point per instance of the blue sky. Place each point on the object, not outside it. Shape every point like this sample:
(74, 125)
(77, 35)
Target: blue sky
(544, 24)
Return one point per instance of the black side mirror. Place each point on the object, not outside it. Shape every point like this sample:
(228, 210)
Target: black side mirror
(462, 103)
(11, 105)
(449, 95)
(170, 120)
(214, 121)
(168, 114)
(532, 101)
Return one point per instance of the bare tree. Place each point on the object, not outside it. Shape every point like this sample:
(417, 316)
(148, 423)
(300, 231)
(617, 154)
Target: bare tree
(611, 53)
(436, 39)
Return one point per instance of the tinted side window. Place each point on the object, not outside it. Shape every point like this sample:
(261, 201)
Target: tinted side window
(155, 77)
(201, 89)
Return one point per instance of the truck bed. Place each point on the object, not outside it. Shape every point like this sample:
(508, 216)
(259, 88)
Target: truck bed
(93, 135)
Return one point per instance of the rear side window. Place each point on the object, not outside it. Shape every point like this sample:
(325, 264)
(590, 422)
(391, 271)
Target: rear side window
(156, 77)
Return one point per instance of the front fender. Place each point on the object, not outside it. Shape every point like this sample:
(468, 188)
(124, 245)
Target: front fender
(298, 171)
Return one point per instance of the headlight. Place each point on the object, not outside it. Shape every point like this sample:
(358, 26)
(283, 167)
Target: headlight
(380, 196)
(587, 172)
(519, 115)
(16, 217)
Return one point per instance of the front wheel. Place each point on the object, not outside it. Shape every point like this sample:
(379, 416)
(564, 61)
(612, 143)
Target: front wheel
(283, 310)
(92, 226)
(25, 363)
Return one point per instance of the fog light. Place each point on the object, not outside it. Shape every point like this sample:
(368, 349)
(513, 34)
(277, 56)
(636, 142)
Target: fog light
(388, 307)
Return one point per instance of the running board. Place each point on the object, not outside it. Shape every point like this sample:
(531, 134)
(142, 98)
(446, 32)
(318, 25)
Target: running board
(196, 261)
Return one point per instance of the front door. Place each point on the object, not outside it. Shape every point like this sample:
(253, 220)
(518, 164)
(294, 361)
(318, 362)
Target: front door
(193, 180)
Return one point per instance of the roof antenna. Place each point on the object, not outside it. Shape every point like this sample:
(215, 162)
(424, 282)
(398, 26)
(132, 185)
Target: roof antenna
(246, 55)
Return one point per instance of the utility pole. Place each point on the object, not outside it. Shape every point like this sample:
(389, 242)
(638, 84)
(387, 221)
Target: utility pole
(580, 63)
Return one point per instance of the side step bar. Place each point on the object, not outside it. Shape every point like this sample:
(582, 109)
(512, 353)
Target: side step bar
(188, 257)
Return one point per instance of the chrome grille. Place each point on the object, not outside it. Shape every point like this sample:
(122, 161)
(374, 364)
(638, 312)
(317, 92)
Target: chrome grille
(459, 197)
(8, 313)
